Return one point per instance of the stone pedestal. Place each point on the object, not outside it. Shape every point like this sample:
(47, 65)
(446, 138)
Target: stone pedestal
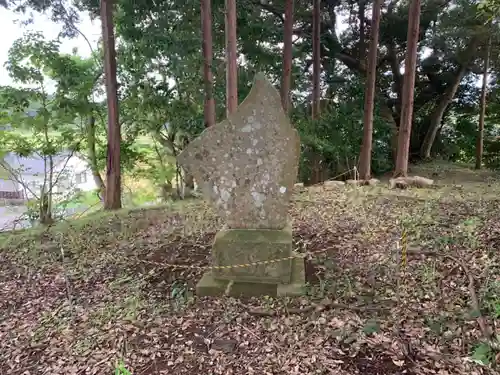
(247, 166)
(249, 262)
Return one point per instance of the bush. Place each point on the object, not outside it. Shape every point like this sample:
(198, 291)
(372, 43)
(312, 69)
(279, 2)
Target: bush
(336, 138)
(492, 153)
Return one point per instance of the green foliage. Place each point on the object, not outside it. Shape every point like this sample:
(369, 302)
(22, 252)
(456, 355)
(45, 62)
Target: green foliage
(81, 198)
(492, 154)
(180, 294)
(489, 8)
(32, 60)
(158, 164)
(34, 123)
(371, 327)
(32, 213)
(121, 369)
(138, 197)
(337, 135)
(38, 122)
(160, 66)
(483, 354)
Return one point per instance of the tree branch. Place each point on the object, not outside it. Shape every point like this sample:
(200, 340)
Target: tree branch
(13, 176)
(69, 22)
(270, 9)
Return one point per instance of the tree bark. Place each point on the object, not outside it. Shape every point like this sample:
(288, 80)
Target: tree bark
(231, 58)
(287, 56)
(482, 113)
(50, 194)
(316, 59)
(366, 146)
(446, 98)
(46, 193)
(316, 162)
(112, 199)
(92, 155)
(361, 16)
(206, 31)
(396, 74)
(408, 89)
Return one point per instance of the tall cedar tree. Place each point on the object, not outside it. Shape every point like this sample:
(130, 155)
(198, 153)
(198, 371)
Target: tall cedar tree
(206, 31)
(401, 169)
(316, 93)
(366, 146)
(482, 113)
(316, 58)
(361, 17)
(287, 56)
(112, 199)
(231, 58)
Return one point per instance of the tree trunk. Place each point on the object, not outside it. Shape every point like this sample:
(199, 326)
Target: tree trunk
(45, 213)
(408, 89)
(316, 158)
(188, 179)
(231, 58)
(287, 56)
(366, 146)
(206, 31)
(361, 16)
(50, 193)
(482, 113)
(45, 209)
(446, 98)
(437, 116)
(397, 77)
(316, 59)
(46, 193)
(112, 199)
(92, 155)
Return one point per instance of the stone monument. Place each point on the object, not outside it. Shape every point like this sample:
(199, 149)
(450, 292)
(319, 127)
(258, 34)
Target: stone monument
(246, 167)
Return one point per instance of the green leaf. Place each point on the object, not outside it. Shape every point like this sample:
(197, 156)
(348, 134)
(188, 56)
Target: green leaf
(483, 354)
(371, 327)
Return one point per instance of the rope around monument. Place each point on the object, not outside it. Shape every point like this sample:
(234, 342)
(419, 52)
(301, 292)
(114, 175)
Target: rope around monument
(401, 246)
(251, 264)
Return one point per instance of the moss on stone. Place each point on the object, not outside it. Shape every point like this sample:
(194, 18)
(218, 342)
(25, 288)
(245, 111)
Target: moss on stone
(209, 285)
(239, 248)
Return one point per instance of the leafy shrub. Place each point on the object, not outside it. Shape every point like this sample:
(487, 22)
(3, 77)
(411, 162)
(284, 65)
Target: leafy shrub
(337, 135)
(492, 154)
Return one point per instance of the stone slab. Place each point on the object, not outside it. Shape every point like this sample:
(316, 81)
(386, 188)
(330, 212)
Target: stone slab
(211, 286)
(333, 184)
(244, 246)
(247, 164)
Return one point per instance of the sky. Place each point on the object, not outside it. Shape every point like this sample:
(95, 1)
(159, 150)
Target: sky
(12, 29)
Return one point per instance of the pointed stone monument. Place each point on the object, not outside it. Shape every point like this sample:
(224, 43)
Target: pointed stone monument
(246, 167)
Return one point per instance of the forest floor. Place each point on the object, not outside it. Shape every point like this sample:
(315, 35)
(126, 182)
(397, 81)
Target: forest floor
(87, 295)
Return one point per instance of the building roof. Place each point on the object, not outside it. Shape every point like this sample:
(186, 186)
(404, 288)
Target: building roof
(34, 164)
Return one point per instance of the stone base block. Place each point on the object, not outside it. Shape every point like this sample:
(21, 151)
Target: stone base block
(245, 246)
(210, 285)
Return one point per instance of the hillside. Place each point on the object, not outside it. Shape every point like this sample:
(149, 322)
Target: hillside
(91, 293)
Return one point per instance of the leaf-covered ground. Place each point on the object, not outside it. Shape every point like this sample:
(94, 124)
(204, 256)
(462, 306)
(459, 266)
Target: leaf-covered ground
(82, 297)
